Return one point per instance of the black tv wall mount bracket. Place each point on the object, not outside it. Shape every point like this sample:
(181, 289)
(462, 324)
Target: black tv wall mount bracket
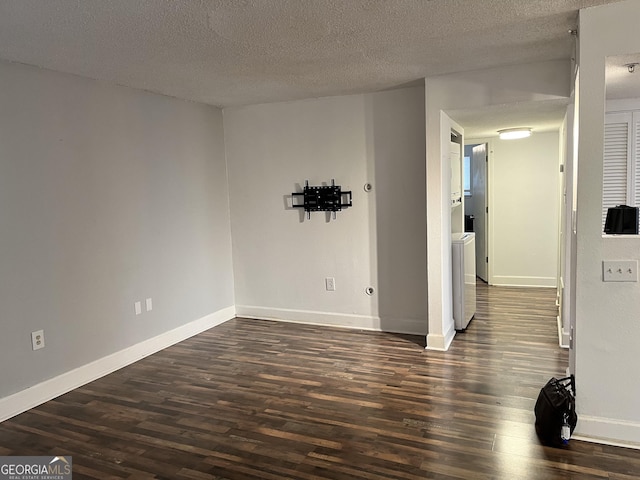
(323, 198)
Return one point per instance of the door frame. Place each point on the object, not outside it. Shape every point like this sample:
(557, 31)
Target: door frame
(487, 204)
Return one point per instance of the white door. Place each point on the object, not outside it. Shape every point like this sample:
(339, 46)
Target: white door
(479, 161)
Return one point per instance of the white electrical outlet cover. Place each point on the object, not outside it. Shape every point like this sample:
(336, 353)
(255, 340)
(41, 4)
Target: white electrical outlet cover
(37, 339)
(138, 308)
(149, 304)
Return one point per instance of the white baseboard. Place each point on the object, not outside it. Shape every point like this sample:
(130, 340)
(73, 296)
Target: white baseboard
(563, 336)
(362, 322)
(608, 431)
(54, 387)
(440, 342)
(514, 281)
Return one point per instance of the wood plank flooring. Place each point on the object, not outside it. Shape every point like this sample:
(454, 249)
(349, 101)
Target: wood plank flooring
(256, 399)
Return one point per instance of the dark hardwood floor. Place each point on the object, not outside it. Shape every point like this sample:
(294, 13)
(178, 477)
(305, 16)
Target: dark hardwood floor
(265, 400)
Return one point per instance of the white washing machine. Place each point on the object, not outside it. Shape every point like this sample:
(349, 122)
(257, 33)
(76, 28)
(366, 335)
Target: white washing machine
(464, 278)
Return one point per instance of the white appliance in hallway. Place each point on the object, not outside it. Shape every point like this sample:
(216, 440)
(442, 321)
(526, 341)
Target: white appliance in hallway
(464, 278)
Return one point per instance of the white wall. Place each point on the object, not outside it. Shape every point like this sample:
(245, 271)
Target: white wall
(107, 196)
(511, 84)
(607, 330)
(281, 259)
(568, 245)
(523, 210)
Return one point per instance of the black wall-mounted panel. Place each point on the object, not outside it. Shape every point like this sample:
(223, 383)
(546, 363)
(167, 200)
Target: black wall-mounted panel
(323, 198)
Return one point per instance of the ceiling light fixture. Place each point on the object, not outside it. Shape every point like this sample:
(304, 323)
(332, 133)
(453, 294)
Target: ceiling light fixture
(631, 66)
(514, 133)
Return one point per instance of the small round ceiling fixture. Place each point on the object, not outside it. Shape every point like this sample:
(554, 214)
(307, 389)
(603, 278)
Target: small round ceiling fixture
(514, 133)
(631, 66)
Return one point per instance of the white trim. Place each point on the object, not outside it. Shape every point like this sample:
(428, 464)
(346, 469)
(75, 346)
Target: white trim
(410, 326)
(608, 431)
(622, 236)
(440, 342)
(563, 337)
(54, 387)
(516, 281)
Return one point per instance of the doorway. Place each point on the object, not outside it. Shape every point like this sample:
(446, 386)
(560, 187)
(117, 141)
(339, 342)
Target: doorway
(476, 208)
(514, 200)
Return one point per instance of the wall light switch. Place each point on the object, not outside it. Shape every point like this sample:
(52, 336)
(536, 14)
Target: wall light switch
(620, 270)
(149, 304)
(330, 284)
(37, 339)
(138, 308)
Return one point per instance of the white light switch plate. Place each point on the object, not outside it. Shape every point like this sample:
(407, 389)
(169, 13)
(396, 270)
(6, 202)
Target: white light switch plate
(149, 304)
(620, 270)
(138, 308)
(330, 284)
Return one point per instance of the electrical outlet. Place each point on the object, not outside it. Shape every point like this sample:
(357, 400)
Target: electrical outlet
(149, 304)
(330, 283)
(138, 308)
(37, 339)
(620, 270)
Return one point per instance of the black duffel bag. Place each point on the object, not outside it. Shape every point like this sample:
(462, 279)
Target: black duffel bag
(555, 411)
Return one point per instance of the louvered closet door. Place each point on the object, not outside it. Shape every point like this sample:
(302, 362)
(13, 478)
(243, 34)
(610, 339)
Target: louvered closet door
(616, 182)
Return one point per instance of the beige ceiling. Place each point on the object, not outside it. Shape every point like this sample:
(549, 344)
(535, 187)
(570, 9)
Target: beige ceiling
(235, 52)
(540, 116)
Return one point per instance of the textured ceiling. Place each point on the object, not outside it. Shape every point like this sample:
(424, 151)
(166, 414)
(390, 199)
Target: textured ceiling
(235, 52)
(540, 116)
